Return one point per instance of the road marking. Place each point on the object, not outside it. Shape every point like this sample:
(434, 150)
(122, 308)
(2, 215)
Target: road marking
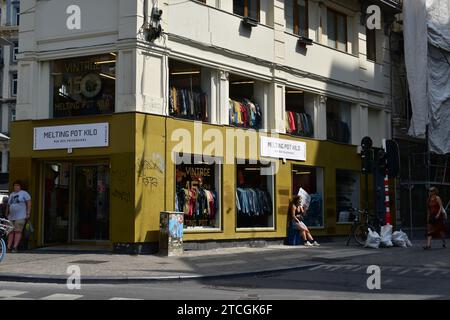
(220, 263)
(404, 271)
(62, 296)
(118, 298)
(345, 254)
(11, 293)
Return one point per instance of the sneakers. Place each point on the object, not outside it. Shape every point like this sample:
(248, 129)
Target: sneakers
(314, 244)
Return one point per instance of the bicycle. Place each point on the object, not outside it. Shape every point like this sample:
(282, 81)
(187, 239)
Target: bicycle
(360, 227)
(5, 228)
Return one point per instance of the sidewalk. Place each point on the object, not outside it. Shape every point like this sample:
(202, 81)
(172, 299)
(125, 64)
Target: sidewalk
(39, 266)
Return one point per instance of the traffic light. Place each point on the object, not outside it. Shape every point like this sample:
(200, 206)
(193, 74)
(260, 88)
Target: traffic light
(366, 160)
(381, 161)
(366, 155)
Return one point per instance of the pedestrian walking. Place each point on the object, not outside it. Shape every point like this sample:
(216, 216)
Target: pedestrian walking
(297, 214)
(435, 218)
(18, 212)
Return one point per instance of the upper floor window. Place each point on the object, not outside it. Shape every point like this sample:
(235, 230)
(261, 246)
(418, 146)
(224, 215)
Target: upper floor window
(247, 8)
(371, 44)
(14, 84)
(16, 13)
(337, 30)
(15, 51)
(296, 15)
(84, 85)
(339, 124)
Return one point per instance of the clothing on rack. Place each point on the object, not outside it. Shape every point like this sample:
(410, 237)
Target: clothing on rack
(253, 202)
(245, 114)
(189, 104)
(299, 124)
(338, 130)
(196, 202)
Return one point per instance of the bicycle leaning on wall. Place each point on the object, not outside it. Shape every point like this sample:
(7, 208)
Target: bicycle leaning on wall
(5, 228)
(361, 225)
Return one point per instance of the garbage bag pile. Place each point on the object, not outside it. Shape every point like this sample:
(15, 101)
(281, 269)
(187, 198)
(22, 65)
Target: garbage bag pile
(387, 238)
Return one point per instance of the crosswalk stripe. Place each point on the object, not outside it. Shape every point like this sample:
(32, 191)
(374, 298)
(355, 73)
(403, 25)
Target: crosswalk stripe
(62, 296)
(11, 293)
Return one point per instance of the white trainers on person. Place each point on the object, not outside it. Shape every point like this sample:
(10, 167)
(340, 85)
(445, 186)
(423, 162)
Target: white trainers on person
(316, 244)
(308, 244)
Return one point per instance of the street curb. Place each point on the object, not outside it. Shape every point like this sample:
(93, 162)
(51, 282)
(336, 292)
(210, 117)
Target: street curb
(116, 280)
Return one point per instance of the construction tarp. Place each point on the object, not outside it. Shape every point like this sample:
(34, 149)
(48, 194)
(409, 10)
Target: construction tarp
(439, 75)
(427, 59)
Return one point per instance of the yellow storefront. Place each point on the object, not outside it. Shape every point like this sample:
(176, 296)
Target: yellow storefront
(113, 195)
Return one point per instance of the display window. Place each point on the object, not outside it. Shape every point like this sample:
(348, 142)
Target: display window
(254, 196)
(244, 110)
(347, 194)
(339, 121)
(310, 180)
(187, 96)
(299, 120)
(198, 194)
(84, 85)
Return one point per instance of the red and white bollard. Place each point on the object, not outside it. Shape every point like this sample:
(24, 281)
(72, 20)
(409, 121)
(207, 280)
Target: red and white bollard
(387, 202)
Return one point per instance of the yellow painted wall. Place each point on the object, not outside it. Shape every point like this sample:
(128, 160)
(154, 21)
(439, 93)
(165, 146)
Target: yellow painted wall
(143, 182)
(25, 164)
(330, 156)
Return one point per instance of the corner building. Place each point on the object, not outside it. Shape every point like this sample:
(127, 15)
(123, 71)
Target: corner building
(101, 112)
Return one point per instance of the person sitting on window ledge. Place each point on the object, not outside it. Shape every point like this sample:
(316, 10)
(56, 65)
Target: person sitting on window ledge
(297, 213)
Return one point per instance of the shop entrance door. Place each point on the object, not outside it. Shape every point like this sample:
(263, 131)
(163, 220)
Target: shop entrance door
(91, 203)
(76, 203)
(56, 202)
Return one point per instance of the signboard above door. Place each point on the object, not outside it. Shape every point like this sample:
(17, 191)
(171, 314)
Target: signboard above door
(283, 149)
(71, 136)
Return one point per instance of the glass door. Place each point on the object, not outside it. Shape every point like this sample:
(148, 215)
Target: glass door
(91, 203)
(56, 202)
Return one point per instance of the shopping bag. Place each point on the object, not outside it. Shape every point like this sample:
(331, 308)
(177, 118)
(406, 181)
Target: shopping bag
(373, 240)
(386, 236)
(28, 230)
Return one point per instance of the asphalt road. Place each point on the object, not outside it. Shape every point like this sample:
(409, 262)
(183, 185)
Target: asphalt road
(414, 274)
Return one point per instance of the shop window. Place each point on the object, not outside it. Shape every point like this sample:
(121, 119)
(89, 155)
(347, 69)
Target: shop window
(299, 119)
(310, 180)
(198, 194)
(84, 85)
(244, 111)
(347, 194)
(187, 97)
(254, 196)
(337, 30)
(296, 15)
(371, 44)
(247, 8)
(338, 121)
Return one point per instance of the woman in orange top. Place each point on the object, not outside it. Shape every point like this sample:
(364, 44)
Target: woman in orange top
(435, 218)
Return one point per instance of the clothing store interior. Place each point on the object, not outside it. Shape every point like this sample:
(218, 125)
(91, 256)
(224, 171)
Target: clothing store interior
(298, 116)
(254, 196)
(187, 98)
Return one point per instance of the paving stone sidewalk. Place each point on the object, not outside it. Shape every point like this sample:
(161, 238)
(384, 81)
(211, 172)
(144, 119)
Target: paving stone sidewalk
(47, 266)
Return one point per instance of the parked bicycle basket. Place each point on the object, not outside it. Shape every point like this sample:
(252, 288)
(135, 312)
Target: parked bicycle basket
(5, 227)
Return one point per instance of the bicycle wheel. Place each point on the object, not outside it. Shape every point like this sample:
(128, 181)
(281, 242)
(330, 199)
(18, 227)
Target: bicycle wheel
(361, 233)
(2, 249)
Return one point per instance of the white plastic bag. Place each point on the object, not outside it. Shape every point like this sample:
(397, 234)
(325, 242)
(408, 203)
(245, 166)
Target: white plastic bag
(373, 240)
(386, 236)
(400, 239)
